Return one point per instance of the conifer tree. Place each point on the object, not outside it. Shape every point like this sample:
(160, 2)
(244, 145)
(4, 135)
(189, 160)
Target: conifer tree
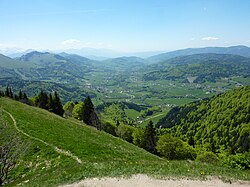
(20, 95)
(51, 103)
(25, 99)
(10, 93)
(57, 104)
(89, 115)
(88, 109)
(42, 100)
(149, 142)
(7, 93)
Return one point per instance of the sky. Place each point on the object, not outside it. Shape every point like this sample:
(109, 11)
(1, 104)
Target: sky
(123, 25)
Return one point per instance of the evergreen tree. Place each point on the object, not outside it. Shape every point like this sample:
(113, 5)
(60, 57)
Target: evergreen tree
(42, 100)
(89, 115)
(7, 93)
(149, 142)
(16, 97)
(57, 104)
(88, 109)
(20, 95)
(10, 93)
(51, 106)
(25, 99)
(1, 93)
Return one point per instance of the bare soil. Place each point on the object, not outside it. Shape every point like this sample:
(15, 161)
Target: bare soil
(145, 181)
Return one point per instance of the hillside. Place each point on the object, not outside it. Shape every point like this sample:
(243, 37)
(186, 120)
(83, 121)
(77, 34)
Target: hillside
(200, 68)
(234, 50)
(219, 124)
(97, 151)
(64, 151)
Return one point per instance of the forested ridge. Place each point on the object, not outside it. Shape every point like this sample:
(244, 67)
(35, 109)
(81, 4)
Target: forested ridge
(219, 124)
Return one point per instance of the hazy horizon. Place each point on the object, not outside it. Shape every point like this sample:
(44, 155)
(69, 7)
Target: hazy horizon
(123, 26)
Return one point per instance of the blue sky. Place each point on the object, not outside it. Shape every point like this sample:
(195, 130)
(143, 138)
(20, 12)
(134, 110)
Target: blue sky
(124, 25)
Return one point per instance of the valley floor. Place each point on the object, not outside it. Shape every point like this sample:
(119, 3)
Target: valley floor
(143, 180)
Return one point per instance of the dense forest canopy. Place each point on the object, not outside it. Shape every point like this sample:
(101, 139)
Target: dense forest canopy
(221, 123)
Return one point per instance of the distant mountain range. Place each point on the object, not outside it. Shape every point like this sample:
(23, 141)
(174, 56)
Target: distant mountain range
(234, 50)
(150, 56)
(72, 70)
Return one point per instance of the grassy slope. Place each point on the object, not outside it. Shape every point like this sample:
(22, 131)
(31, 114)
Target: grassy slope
(101, 154)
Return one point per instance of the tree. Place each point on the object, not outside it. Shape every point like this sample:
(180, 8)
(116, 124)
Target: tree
(138, 137)
(68, 108)
(42, 100)
(126, 132)
(55, 104)
(11, 93)
(8, 92)
(88, 109)
(20, 95)
(78, 111)
(149, 142)
(174, 148)
(89, 115)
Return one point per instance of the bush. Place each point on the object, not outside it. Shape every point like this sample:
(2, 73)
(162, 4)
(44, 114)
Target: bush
(138, 137)
(175, 149)
(238, 161)
(125, 132)
(207, 157)
(109, 128)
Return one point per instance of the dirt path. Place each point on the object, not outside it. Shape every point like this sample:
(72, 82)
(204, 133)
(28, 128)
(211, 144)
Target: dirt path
(145, 181)
(61, 151)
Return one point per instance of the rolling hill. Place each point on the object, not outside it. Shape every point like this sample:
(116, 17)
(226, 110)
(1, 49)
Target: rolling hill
(220, 124)
(200, 68)
(234, 50)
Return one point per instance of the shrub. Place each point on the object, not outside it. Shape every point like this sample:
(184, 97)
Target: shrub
(125, 132)
(208, 157)
(109, 128)
(174, 148)
(239, 161)
(138, 137)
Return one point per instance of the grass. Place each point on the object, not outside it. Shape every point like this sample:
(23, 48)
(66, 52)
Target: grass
(101, 153)
(131, 113)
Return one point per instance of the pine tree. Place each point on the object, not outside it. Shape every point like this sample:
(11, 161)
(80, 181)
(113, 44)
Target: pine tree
(51, 106)
(10, 93)
(25, 99)
(58, 108)
(89, 115)
(88, 109)
(7, 93)
(149, 142)
(20, 95)
(42, 100)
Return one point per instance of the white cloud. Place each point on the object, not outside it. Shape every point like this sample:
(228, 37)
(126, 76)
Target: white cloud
(70, 42)
(192, 39)
(248, 41)
(209, 38)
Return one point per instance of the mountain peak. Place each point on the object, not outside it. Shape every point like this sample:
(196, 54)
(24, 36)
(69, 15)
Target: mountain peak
(29, 55)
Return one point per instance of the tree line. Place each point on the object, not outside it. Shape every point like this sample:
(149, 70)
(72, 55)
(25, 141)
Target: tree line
(83, 111)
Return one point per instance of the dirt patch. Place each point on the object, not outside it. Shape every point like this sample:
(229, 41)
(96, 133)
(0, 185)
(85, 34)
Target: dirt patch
(145, 181)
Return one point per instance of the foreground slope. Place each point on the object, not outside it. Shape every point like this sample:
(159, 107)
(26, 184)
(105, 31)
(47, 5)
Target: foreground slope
(64, 151)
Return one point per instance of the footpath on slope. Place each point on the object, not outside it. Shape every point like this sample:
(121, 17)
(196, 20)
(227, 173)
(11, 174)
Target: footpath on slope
(61, 151)
(141, 180)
